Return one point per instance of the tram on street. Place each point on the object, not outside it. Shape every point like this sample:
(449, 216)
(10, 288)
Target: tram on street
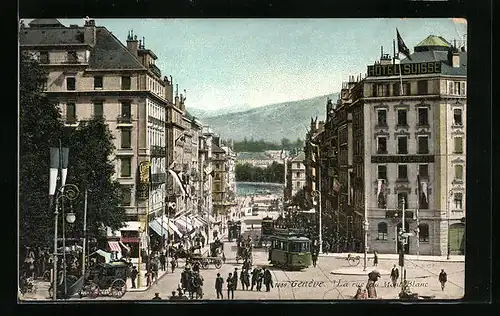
(290, 249)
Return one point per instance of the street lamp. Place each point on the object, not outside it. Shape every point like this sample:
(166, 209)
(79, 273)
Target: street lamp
(448, 220)
(365, 228)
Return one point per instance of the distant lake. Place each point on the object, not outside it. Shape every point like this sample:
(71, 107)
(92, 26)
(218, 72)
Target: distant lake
(251, 188)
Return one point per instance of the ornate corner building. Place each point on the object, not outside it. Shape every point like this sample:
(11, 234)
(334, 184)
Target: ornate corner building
(397, 138)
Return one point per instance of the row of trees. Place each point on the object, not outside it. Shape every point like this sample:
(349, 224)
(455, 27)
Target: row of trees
(261, 145)
(90, 145)
(274, 173)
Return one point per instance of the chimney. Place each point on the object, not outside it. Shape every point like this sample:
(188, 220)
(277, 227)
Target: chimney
(89, 32)
(132, 43)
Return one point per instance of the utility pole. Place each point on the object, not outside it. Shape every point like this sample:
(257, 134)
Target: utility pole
(84, 232)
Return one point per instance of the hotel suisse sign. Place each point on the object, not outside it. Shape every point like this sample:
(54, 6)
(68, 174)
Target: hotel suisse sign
(404, 69)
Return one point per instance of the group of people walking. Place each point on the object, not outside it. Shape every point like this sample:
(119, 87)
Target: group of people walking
(249, 278)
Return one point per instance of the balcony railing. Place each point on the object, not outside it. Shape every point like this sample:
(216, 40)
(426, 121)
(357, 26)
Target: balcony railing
(398, 213)
(59, 61)
(155, 69)
(124, 119)
(158, 151)
(158, 177)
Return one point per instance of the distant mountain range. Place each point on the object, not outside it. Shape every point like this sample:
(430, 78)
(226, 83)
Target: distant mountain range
(269, 122)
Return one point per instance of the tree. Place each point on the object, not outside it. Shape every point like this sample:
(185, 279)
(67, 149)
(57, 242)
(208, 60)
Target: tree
(285, 143)
(91, 145)
(40, 129)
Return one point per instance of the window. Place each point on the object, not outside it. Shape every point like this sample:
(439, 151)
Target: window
(125, 167)
(98, 82)
(402, 196)
(459, 172)
(382, 90)
(422, 87)
(402, 114)
(423, 144)
(44, 57)
(72, 57)
(298, 174)
(70, 83)
(423, 232)
(126, 137)
(395, 89)
(423, 116)
(402, 144)
(374, 90)
(126, 194)
(382, 231)
(71, 113)
(423, 171)
(462, 88)
(382, 172)
(382, 117)
(126, 110)
(459, 145)
(298, 165)
(381, 145)
(298, 185)
(98, 109)
(126, 83)
(457, 198)
(456, 89)
(457, 117)
(402, 172)
(381, 198)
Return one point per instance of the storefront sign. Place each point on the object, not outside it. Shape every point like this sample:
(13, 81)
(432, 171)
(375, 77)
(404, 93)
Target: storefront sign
(144, 179)
(403, 159)
(405, 69)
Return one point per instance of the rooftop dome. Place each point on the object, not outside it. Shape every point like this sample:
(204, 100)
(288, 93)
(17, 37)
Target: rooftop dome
(433, 42)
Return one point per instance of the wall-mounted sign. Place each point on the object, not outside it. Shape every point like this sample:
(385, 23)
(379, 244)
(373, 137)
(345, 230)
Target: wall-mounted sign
(433, 67)
(144, 180)
(403, 159)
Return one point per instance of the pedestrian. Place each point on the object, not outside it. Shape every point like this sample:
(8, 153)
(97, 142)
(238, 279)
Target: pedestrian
(255, 274)
(394, 275)
(442, 279)
(314, 258)
(218, 286)
(375, 258)
(230, 286)
(163, 261)
(173, 297)
(173, 264)
(260, 277)
(157, 296)
(149, 277)
(235, 277)
(223, 258)
(133, 276)
(359, 294)
(268, 280)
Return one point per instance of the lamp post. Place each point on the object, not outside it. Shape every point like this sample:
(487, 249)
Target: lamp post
(70, 192)
(320, 234)
(450, 195)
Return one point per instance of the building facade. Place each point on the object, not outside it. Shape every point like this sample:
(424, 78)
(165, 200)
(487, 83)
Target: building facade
(409, 149)
(296, 177)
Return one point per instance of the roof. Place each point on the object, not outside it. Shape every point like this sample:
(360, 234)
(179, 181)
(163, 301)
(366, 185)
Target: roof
(217, 149)
(446, 68)
(300, 157)
(433, 41)
(45, 23)
(107, 53)
(110, 53)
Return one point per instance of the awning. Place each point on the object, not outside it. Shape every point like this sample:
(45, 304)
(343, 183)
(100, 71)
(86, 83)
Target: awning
(114, 246)
(156, 225)
(203, 220)
(134, 226)
(104, 254)
(197, 223)
(184, 223)
(212, 219)
(174, 228)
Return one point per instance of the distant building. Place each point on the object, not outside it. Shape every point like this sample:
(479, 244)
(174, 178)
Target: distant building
(296, 174)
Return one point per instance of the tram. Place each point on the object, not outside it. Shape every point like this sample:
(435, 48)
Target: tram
(290, 249)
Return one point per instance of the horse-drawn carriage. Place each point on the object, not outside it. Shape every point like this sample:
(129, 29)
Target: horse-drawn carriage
(204, 262)
(105, 279)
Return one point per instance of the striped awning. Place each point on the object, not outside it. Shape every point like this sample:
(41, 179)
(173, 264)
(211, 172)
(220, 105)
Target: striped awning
(114, 246)
(183, 222)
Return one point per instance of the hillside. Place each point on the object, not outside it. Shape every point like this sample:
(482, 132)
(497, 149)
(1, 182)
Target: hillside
(270, 122)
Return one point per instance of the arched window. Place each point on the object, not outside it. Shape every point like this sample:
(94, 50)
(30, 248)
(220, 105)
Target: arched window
(423, 234)
(382, 231)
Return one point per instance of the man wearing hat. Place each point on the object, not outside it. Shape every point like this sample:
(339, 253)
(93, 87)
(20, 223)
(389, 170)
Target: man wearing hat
(218, 286)
(157, 296)
(235, 279)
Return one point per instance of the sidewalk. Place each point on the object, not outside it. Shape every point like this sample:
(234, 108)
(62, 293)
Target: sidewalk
(396, 257)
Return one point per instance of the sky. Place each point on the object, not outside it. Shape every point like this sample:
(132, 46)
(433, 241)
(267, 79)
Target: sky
(224, 63)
